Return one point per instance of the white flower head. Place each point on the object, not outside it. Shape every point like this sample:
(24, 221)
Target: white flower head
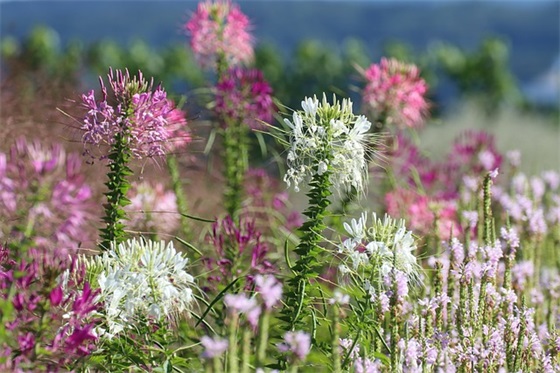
(328, 138)
(379, 247)
(141, 279)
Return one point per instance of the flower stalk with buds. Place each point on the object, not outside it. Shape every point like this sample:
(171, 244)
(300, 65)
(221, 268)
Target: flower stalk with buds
(139, 125)
(327, 148)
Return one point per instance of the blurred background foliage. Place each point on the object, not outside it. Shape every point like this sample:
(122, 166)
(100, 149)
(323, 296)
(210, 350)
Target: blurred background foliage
(482, 75)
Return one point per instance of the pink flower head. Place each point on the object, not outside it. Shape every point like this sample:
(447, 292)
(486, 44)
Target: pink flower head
(213, 347)
(152, 209)
(477, 151)
(394, 93)
(241, 304)
(42, 185)
(244, 95)
(296, 343)
(219, 29)
(423, 212)
(270, 290)
(149, 121)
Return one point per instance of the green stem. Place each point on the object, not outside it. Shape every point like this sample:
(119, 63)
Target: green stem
(235, 163)
(337, 367)
(299, 288)
(173, 167)
(487, 210)
(263, 338)
(217, 364)
(233, 366)
(117, 186)
(246, 353)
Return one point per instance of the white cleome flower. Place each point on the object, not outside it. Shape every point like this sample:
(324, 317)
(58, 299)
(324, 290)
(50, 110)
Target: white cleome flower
(328, 137)
(141, 279)
(380, 247)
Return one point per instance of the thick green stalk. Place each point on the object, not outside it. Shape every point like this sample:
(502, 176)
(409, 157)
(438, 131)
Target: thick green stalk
(177, 185)
(246, 352)
(487, 210)
(217, 365)
(235, 164)
(300, 291)
(233, 364)
(117, 186)
(263, 338)
(337, 366)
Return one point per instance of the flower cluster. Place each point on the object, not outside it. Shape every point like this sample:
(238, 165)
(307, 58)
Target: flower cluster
(43, 197)
(329, 138)
(531, 203)
(218, 29)
(473, 318)
(144, 116)
(394, 94)
(444, 186)
(475, 151)
(141, 280)
(426, 214)
(244, 95)
(49, 322)
(296, 344)
(152, 209)
(378, 248)
(234, 243)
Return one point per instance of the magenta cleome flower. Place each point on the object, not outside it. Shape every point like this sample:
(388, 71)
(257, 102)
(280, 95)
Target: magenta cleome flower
(148, 119)
(44, 198)
(395, 94)
(244, 95)
(219, 29)
(476, 150)
(237, 243)
(41, 287)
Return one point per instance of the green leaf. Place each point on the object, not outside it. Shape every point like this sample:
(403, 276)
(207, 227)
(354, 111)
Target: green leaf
(188, 245)
(216, 299)
(198, 218)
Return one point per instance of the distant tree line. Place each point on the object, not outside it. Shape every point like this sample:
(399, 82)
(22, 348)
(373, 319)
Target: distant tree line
(482, 75)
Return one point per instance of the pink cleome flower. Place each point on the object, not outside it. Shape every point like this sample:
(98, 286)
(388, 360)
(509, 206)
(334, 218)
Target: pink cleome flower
(153, 208)
(395, 94)
(244, 95)
(42, 187)
(476, 150)
(423, 212)
(150, 121)
(218, 28)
